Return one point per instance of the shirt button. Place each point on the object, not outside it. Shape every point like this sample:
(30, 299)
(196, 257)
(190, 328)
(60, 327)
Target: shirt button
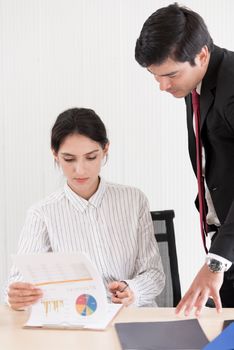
(214, 189)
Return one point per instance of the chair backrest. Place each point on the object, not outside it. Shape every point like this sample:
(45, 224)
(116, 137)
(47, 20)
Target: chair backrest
(165, 236)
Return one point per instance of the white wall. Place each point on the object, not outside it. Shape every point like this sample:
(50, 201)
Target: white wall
(57, 54)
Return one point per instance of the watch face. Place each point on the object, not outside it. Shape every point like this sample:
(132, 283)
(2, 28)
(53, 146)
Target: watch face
(215, 265)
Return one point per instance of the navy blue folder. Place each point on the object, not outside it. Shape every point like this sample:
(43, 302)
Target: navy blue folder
(172, 335)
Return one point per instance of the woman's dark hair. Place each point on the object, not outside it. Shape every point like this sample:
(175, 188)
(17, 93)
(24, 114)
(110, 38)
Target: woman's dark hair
(81, 121)
(174, 32)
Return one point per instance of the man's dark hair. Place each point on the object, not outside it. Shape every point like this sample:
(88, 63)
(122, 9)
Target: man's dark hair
(81, 121)
(174, 32)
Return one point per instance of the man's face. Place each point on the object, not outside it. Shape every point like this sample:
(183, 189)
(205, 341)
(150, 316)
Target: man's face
(180, 78)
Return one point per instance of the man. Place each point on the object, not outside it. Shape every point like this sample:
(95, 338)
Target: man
(176, 48)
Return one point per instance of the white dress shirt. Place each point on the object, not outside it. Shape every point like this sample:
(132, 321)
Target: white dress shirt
(114, 228)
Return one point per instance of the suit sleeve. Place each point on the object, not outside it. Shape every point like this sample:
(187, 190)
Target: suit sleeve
(223, 244)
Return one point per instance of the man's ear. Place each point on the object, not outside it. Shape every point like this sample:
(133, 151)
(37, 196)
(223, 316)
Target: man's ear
(203, 56)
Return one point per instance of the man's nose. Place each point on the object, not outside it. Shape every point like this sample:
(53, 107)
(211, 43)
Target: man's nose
(164, 83)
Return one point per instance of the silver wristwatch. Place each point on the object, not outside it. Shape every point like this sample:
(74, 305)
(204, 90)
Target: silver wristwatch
(215, 265)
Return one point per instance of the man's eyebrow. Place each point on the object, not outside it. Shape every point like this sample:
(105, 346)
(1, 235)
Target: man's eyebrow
(164, 75)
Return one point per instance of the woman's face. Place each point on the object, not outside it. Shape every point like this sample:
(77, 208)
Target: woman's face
(80, 159)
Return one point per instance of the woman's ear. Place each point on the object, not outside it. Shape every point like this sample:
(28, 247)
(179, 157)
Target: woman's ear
(55, 155)
(106, 148)
(105, 154)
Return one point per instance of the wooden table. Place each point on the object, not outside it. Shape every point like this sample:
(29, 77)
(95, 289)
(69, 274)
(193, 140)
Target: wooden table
(14, 337)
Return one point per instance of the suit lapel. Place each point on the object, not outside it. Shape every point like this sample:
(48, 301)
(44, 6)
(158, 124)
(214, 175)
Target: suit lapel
(209, 84)
(206, 100)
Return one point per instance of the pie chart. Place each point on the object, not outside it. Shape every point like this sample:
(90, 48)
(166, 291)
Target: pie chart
(86, 305)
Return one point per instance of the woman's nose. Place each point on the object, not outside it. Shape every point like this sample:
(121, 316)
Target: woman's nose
(79, 168)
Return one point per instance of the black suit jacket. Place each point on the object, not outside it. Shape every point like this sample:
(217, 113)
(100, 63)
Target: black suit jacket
(217, 134)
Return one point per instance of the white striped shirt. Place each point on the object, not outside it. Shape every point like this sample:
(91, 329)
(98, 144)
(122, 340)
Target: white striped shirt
(114, 228)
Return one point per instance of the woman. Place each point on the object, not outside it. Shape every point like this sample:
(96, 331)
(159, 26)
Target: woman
(109, 222)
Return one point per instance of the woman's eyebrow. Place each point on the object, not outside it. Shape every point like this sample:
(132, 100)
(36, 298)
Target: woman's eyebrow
(67, 154)
(73, 155)
(95, 150)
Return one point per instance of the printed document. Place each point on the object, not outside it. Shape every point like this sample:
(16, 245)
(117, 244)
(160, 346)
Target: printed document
(74, 295)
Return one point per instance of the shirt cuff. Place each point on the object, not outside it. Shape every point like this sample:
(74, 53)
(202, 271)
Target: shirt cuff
(226, 262)
(132, 285)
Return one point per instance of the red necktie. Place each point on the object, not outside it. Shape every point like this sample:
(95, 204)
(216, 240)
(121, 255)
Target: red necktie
(200, 178)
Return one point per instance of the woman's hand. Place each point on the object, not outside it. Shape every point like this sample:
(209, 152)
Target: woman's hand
(21, 295)
(121, 293)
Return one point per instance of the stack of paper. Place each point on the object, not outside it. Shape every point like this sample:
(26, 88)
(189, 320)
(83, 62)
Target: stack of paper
(74, 295)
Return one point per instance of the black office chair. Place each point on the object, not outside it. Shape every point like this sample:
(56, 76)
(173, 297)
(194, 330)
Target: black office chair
(165, 236)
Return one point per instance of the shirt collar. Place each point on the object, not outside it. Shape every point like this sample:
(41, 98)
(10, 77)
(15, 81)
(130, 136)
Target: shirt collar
(82, 204)
(198, 88)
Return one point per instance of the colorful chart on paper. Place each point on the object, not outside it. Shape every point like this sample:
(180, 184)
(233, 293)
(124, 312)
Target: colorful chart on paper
(86, 305)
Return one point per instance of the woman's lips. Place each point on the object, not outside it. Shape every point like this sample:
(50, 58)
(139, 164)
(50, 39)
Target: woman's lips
(81, 180)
